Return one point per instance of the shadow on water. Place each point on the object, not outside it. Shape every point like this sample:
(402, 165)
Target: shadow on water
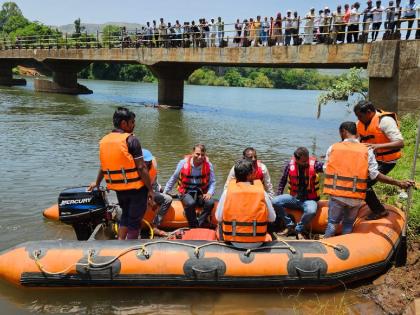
(27, 102)
(153, 301)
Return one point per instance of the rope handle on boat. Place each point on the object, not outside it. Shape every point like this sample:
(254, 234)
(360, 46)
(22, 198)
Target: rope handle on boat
(143, 251)
(37, 253)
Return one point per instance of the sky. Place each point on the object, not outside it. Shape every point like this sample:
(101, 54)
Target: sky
(61, 12)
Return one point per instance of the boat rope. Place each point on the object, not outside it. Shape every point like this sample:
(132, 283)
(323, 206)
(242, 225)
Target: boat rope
(37, 253)
(142, 250)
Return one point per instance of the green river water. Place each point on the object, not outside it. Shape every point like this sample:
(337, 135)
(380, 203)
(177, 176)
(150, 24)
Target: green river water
(49, 142)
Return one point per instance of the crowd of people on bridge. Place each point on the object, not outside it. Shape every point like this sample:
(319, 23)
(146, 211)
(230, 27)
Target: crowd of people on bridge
(248, 207)
(347, 23)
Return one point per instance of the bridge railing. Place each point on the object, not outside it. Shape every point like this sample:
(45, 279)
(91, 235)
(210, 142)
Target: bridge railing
(192, 36)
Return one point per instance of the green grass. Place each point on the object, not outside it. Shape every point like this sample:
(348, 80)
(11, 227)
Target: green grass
(389, 194)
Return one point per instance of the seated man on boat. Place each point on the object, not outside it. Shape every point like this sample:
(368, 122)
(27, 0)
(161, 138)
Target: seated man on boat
(348, 167)
(244, 208)
(196, 182)
(260, 171)
(379, 130)
(122, 165)
(301, 174)
(161, 199)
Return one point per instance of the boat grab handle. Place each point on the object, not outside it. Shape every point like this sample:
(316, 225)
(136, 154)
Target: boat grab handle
(195, 269)
(306, 273)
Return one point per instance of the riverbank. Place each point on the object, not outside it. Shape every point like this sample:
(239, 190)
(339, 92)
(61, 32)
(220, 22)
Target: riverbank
(397, 290)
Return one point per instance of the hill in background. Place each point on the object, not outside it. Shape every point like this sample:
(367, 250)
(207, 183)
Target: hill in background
(92, 28)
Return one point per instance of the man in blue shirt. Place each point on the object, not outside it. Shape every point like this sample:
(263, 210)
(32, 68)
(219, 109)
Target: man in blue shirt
(196, 183)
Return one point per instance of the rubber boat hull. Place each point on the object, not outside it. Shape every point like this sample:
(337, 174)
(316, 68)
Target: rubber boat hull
(208, 263)
(175, 217)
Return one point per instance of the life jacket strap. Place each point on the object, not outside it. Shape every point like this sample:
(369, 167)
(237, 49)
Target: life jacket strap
(345, 178)
(108, 172)
(388, 152)
(121, 181)
(352, 189)
(234, 222)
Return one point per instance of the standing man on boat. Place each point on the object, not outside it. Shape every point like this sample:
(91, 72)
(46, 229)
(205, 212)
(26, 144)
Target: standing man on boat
(124, 170)
(244, 208)
(379, 131)
(196, 184)
(163, 200)
(260, 171)
(347, 183)
(301, 174)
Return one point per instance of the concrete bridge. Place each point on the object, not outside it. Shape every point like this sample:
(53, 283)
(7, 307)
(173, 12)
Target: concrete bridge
(393, 66)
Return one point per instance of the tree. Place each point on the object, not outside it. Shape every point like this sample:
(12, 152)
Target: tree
(111, 34)
(14, 23)
(9, 9)
(350, 84)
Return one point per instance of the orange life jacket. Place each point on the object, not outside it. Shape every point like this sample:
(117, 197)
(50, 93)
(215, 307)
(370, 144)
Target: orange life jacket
(245, 213)
(117, 164)
(373, 134)
(187, 182)
(311, 179)
(346, 174)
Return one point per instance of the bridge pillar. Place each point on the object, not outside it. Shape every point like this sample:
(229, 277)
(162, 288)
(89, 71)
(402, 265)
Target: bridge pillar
(6, 75)
(171, 79)
(64, 78)
(394, 75)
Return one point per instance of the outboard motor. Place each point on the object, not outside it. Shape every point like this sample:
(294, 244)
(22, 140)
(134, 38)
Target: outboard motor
(82, 209)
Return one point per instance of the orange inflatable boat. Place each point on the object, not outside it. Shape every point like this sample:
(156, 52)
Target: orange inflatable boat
(199, 260)
(75, 203)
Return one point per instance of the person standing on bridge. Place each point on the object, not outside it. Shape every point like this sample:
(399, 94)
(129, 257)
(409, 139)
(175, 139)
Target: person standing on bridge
(196, 184)
(288, 28)
(353, 28)
(309, 27)
(377, 19)
(220, 31)
(367, 20)
(123, 167)
(379, 131)
(410, 16)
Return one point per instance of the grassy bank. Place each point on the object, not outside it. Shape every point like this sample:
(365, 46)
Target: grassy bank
(389, 194)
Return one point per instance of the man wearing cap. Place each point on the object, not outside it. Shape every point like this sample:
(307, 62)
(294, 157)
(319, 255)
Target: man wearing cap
(163, 200)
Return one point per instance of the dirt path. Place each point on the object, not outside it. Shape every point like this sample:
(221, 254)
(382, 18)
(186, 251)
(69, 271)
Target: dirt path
(396, 290)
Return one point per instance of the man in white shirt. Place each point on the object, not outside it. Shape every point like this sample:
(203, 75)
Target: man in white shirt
(309, 27)
(353, 29)
(377, 19)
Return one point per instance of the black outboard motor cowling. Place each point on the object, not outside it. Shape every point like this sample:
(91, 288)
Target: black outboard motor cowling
(82, 209)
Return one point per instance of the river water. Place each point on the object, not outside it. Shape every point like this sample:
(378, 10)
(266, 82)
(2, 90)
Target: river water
(49, 142)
